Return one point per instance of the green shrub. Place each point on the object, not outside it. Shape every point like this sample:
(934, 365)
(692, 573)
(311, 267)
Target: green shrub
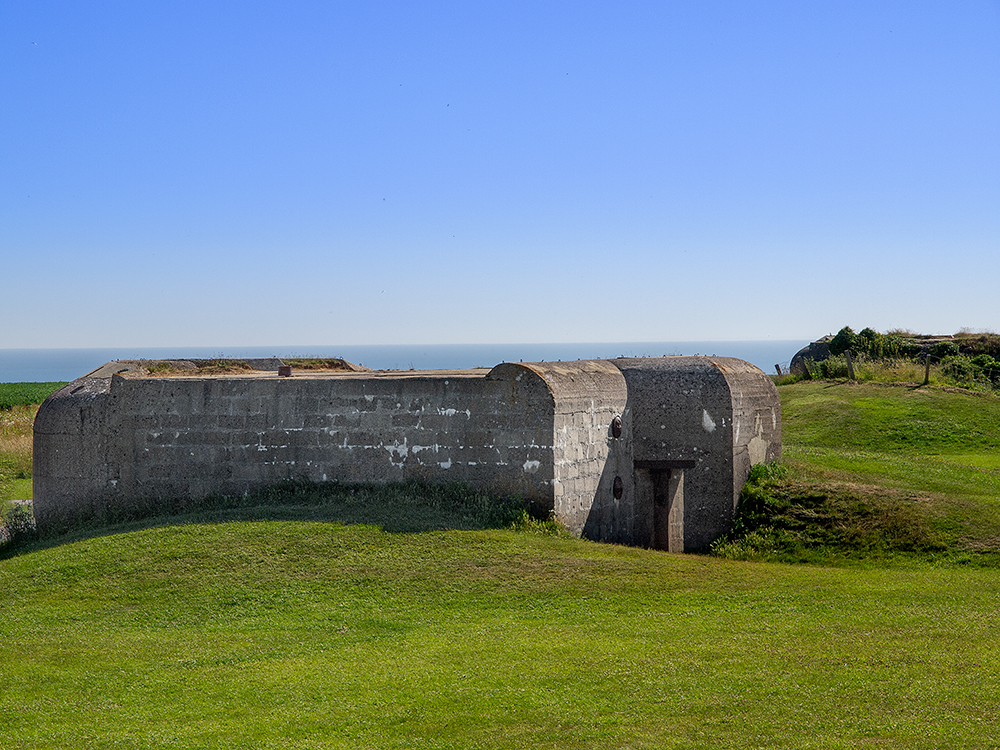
(943, 349)
(988, 367)
(845, 340)
(972, 343)
(976, 373)
(827, 369)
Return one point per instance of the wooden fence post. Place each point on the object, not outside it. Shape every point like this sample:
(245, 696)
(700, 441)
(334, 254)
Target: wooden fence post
(850, 365)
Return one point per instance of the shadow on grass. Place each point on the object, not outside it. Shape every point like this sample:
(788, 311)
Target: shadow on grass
(409, 507)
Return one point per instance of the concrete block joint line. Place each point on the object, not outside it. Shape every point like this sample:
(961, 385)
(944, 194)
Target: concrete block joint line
(650, 452)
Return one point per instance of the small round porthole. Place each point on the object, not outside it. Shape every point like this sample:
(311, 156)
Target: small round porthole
(616, 427)
(618, 488)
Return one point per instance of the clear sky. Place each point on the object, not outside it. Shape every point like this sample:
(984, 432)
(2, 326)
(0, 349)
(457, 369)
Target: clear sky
(280, 173)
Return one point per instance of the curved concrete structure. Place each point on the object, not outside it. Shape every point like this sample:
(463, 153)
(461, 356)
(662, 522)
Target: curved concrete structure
(650, 452)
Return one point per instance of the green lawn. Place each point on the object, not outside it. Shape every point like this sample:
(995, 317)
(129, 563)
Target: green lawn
(315, 635)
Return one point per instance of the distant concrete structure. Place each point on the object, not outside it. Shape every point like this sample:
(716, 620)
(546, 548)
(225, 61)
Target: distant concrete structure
(817, 351)
(651, 452)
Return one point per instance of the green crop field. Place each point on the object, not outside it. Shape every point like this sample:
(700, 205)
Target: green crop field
(17, 394)
(281, 625)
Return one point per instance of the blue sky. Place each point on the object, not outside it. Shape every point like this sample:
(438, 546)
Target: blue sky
(250, 173)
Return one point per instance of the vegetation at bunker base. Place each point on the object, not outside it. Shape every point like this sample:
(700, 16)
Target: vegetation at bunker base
(292, 634)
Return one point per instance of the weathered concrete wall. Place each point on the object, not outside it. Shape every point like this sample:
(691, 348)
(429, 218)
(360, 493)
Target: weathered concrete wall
(69, 461)
(650, 452)
(681, 414)
(148, 442)
(699, 416)
(586, 457)
(756, 419)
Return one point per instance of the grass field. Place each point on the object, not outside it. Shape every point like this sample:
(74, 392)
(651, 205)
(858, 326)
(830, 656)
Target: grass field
(290, 634)
(271, 627)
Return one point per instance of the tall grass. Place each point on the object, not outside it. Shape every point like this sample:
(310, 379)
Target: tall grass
(957, 371)
(15, 450)
(18, 406)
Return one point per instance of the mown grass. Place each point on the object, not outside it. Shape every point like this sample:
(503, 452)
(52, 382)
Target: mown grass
(320, 617)
(878, 470)
(289, 634)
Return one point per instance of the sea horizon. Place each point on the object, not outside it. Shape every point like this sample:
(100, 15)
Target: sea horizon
(67, 364)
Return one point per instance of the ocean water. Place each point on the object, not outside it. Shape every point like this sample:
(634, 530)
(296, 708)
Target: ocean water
(48, 365)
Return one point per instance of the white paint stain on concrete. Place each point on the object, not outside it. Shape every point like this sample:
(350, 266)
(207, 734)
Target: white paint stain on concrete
(445, 464)
(397, 452)
(706, 421)
(530, 467)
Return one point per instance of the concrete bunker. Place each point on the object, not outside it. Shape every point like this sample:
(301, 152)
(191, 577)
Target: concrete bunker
(650, 452)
